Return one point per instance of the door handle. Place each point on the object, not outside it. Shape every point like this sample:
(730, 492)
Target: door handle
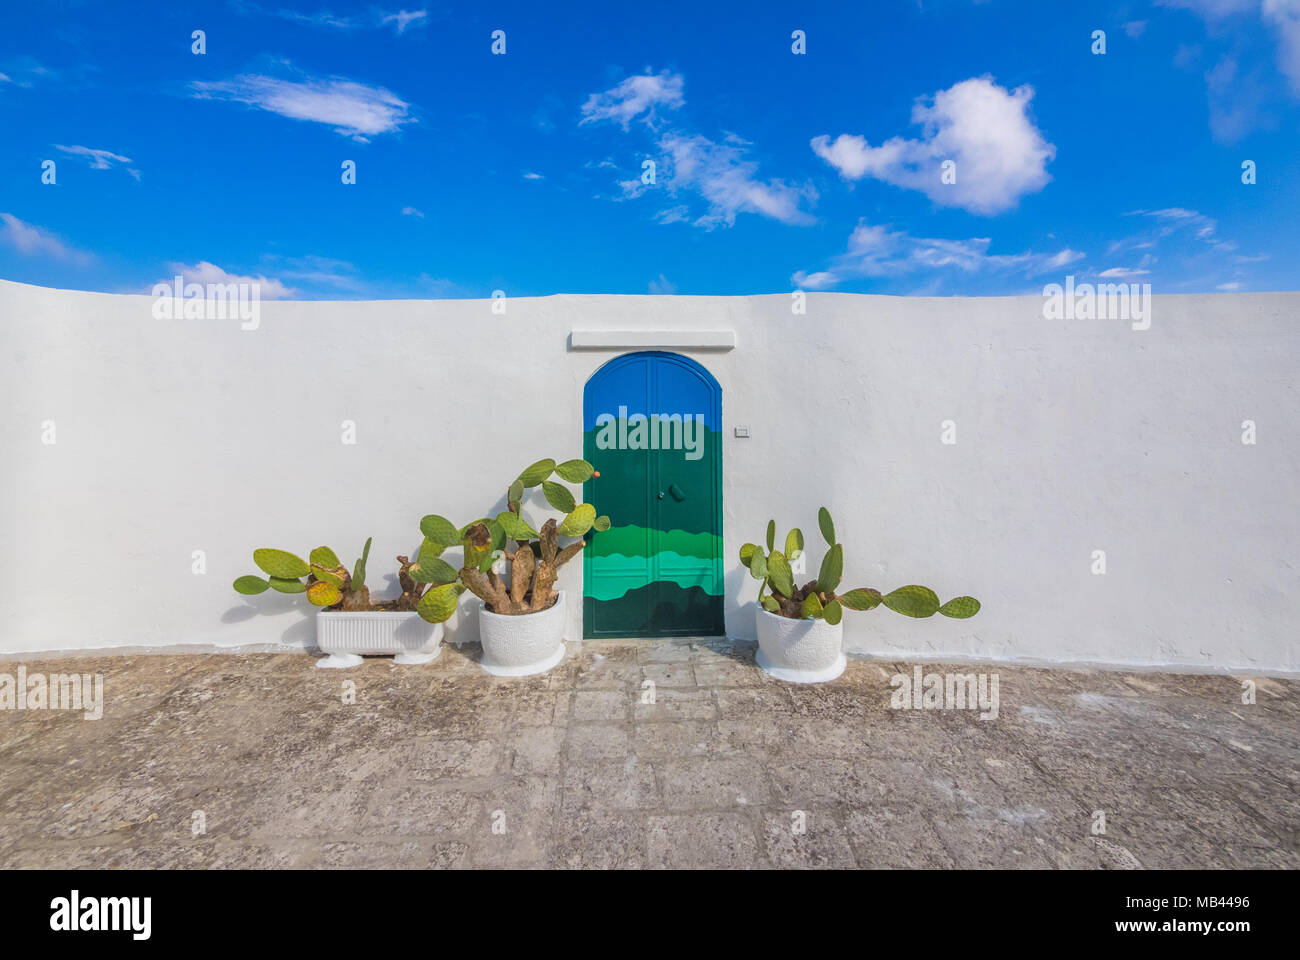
(678, 493)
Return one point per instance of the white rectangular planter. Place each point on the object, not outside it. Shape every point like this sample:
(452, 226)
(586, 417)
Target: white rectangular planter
(347, 636)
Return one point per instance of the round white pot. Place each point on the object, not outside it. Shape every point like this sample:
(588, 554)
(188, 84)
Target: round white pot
(800, 651)
(524, 645)
(348, 635)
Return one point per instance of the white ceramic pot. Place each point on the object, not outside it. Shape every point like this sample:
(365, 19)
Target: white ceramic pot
(524, 645)
(348, 635)
(800, 651)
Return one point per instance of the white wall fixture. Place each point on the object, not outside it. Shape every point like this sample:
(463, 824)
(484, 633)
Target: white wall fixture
(654, 339)
(800, 651)
(346, 636)
(522, 645)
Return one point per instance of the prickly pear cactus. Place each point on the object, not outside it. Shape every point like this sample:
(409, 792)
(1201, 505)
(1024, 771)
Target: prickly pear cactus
(818, 599)
(324, 581)
(509, 544)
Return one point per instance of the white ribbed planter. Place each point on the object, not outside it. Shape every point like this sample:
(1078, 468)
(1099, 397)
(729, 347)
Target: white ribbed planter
(348, 635)
(524, 645)
(800, 651)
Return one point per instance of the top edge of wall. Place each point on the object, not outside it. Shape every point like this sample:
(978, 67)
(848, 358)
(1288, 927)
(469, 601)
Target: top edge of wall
(5, 284)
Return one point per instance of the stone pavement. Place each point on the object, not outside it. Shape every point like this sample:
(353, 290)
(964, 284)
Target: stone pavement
(443, 766)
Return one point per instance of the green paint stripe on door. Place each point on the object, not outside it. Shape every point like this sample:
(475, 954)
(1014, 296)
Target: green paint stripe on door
(629, 541)
(612, 574)
(660, 609)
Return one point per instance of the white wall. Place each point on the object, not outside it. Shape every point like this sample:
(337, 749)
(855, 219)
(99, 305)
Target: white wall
(1073, 436)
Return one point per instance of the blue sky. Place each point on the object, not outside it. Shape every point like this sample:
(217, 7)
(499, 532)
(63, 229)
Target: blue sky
(523, 171)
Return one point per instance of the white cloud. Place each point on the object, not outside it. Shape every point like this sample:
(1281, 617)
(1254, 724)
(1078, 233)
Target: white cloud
(723, 176)
(662, 285)
(1176, 219)
(1229, 287)
(1119, 273)
(1135, 28)
(204, 272)
(1212, 9)
(722, 173)
(1233, 117)
(1284, 16)
(328, 19)
(1239, 103)
(878, 251)
(23, 71)
(353, 109)
(317, 271)
(634, 96)
(404, 18)
(999, 153)
(412, 212)
(98, 159)
(33, 241)
(1186, 240)
(533, 176)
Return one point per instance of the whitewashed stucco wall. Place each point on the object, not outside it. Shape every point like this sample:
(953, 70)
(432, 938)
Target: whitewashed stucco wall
(1072, 436)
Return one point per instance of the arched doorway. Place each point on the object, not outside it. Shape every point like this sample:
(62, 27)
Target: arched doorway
(652, 426)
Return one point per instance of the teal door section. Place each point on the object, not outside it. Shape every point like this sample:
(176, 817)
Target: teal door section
(652, 428)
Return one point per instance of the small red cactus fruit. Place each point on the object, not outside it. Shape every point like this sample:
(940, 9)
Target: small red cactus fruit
(595, 473)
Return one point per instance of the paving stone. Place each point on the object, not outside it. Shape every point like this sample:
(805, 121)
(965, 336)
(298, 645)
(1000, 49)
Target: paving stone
(895, 836)
(536, 750)
(675, 739)
(627, 784)
(712, 841)
(587, 705)
(677, 705)
(806, 839)
(668, 675)
(702, 782)
(600, 840)
(597, 741)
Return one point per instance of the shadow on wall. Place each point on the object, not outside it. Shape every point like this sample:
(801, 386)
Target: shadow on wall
(300, 633)
(740, 617)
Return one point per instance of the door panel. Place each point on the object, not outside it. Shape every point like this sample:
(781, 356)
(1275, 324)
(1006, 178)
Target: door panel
(651, 428)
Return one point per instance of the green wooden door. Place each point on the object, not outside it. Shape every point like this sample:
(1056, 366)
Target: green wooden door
(652, 428)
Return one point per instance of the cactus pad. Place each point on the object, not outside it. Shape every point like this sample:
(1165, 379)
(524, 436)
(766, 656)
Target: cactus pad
(579, 521)
(324, 594)
(826, 525)
(281, 563)
(912, 601)
(536, 473)
(558, 496)
(440, 530)
(439, 603)
(575, 471)
(324, 557)
(779, 574)
(960, 608)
